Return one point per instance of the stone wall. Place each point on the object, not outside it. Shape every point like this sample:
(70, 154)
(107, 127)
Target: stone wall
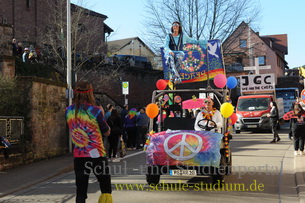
(45, 126)
(48, 119)
(7, 66)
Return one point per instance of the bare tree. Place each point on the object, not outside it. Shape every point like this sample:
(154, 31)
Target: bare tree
(200, 19)
(88, 47)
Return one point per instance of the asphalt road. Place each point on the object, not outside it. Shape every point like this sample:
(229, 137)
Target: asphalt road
(260, 173)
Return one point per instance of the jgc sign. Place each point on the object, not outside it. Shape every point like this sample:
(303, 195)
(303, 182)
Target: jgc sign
(262, 82)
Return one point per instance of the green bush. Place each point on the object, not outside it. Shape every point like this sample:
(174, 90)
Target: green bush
(10, 104)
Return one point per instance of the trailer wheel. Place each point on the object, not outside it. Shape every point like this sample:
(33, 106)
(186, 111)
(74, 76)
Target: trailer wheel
(220, 172)
(152, 179)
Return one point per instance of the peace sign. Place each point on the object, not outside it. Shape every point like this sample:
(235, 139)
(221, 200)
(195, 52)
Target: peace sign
(183, 144)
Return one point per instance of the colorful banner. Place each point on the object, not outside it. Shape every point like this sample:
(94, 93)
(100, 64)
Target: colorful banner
(184, 148)
(195, 63)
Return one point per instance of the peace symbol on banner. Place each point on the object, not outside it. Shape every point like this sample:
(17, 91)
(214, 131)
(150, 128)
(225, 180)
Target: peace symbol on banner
(182, 146)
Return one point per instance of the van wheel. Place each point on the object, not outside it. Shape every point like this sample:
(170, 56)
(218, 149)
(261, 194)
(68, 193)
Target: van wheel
(152, 179)
(217, 179)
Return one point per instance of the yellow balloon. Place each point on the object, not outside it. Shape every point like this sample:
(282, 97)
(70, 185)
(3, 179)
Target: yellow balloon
(226, 109)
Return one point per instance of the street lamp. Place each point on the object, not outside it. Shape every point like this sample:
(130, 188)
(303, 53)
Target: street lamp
(69, 68)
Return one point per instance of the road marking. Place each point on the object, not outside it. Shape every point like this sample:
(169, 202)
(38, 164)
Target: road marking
(131, 155)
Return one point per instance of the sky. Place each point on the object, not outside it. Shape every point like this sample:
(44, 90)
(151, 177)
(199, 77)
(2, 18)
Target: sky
(277, 17)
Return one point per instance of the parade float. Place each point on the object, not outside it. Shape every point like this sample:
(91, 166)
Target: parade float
(173, 146)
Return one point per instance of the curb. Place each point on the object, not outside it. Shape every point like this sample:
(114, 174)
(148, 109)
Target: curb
(28, 181)
(24, 186)
(299, 166)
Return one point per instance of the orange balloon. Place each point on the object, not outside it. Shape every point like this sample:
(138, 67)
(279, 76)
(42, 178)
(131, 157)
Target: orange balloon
(152, 110)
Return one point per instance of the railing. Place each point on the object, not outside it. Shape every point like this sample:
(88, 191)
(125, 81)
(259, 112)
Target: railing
(11, 127)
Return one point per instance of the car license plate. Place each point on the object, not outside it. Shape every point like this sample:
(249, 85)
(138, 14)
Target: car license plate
(183, 172)
(252, 126)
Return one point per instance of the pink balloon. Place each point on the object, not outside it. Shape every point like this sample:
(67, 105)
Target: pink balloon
(220, 80)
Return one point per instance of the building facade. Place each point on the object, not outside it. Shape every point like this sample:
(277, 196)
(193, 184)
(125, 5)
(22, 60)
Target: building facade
(133, 46)
(244, 46)
(34, 20)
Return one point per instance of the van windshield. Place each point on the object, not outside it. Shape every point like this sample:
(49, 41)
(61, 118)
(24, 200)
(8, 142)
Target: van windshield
(253, 104)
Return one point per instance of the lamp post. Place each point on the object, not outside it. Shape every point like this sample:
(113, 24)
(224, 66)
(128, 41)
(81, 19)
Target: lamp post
(69, 68)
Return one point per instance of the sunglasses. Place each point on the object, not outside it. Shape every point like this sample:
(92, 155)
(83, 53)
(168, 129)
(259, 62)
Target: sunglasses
(207, 102)
(176, 24)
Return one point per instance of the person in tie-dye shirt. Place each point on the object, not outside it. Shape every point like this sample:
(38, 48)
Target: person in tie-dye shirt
(87, 125)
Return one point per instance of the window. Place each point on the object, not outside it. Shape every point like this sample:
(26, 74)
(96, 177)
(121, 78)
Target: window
(47, 29)
(239, 60)
(81, 28)
(28, 3)
(261, 60)
(243, 43)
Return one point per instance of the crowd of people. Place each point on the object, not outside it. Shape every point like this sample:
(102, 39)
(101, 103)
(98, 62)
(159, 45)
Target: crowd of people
(131, 125)
(27, 54)
(296, 125)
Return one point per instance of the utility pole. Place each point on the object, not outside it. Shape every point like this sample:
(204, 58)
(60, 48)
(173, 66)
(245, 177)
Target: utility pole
(69, 68)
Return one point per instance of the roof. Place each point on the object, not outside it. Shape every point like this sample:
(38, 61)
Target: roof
(87, 11)
(107, 29)
(121, 43)
(280, 42)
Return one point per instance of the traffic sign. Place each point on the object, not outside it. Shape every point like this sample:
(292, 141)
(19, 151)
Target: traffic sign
(125, 87)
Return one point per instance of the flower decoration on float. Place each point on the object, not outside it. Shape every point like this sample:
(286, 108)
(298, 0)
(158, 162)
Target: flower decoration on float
(192, 64)
(148, 139)
(230, 121)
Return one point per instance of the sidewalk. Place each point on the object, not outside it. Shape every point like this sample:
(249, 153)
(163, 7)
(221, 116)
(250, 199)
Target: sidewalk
(294, 165)
(24, 176)
(299, 166)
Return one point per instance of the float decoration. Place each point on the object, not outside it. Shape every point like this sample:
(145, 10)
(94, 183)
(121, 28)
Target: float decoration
(161, 84)
(152, 110)
(220, 80)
